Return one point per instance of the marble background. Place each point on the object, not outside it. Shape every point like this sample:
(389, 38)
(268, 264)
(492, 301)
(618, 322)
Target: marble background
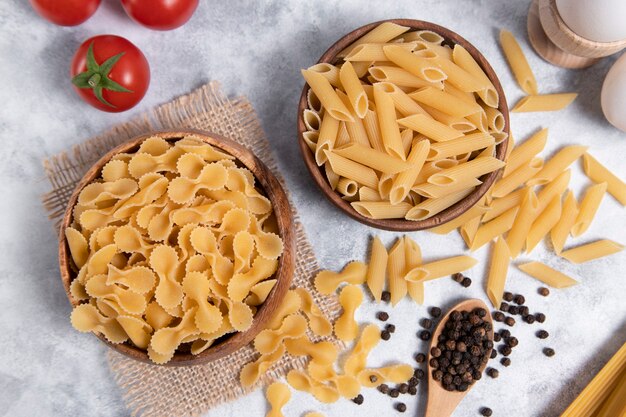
(256, 48)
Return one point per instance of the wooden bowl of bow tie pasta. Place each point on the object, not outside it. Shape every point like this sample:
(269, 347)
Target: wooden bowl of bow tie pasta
(176, 248)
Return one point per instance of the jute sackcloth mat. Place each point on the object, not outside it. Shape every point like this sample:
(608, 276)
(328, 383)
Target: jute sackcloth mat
(151, 390)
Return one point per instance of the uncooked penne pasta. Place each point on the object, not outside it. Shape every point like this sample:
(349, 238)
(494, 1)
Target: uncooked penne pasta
(445, 102)
(313, 102)
(591, 251)
(396, 266)
(500, 205)
(404, 181)
(369, 194)
(382, 33)
(559, 233)
(523, 153)
(557, 164)
(458, 146)
(372, 158)
(441, 268)
(495, 119)
(347, 187)
(413, 256)
(598, 173)
(400, 77)
(384, 185)
(326, 139)
(312, 120)
(407, 139)
(522, 224)
(496, 227)
(459, 123)
(434, 166)
(508, 184)
(498, 269)
(371, 52)
(329, 71)
(423, 35)
(544, 223)
(377, 269)
(474, 168)
(465, 60)
(420, 66)
(351, 84)
(588, 208)
(429, 190)
(475, 212)
(429, 127)
(468, 231)
(372, 128)
(342, 135)
(547, 275)
(327, 96)
(381, 209)
(402, 102)
(432, 206)
(355, 128)
(311, 138)
(458, 77)
(331, 175)
(518, 63)
(544, 102)
(555, 187)
(388, 125)
(352, 170)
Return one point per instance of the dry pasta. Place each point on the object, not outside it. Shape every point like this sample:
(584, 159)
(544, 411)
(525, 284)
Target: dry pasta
(278, 396)
(544, 102)
(522, 223)
(544, 223)
(189, 245)
(591, 251)
(498, 269)
(353, 273)
(598, 173)
(518, 63)
(376, 270)
(588, 208)
(438, 269)
(523, 153)
(547, 275)
(559, 233)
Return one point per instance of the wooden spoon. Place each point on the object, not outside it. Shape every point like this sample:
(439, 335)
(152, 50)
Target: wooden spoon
(442, 403)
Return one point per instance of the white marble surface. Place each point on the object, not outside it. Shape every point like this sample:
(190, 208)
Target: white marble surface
(257, 48)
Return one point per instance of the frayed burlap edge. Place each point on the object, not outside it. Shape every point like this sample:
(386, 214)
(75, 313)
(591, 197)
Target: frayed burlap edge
(151, 390)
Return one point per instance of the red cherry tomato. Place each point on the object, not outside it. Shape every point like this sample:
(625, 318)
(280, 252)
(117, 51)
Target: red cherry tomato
(110, 73)
(65, 12)
(160, 14)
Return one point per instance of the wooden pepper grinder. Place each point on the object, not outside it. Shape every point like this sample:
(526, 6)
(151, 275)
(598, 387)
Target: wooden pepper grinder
(577, 33)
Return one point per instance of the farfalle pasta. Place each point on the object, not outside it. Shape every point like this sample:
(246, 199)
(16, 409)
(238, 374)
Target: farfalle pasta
(175, 245)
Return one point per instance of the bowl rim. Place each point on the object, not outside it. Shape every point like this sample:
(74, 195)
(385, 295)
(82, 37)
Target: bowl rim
(273, 190)
(452, 212)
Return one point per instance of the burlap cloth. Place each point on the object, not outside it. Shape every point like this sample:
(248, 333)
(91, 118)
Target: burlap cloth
(151, 390)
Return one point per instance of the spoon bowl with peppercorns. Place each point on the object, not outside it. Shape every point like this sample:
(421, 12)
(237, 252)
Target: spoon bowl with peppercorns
(459, 351)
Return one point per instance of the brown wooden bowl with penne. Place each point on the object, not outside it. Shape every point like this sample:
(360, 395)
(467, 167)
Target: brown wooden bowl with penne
(214, 214)
(403, 124)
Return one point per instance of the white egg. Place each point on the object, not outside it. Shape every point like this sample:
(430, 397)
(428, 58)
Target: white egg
(614, 94)
(596, 20)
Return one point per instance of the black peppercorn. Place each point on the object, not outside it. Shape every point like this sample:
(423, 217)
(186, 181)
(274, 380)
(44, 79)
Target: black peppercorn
(542, 334)
(458, 277)
(420, 357)
(466, 282)
(435, 312)
(504, 307)
(549, 352)
(435, 352)
(524, 311)
(413, 381)
(497, 337)
(401, 407)
(505, 333)
(434, 363)
(513, 310)
(358, 399)
(394, 393)
(509, 321)
(498, 316)
(403, 388)
(424, 335)
(494, 353)
(505, 350)
(480, 312)
(426, 323)
(384, 388)
(437, 375)
(461, 347)
(385, 335)
(486, 412)
(540, 317)
(412, 390)
(505, 361)
(507, 296)
(419, 374)
(512, 342)
(492, 372)
(544, 291)
(530, 319)
(477, 375)
(385, 296)
(382, 316)
(519, 299)
(390, 328)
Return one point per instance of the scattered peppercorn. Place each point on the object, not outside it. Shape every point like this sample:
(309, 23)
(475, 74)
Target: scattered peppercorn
(420, 357)
(384, 388)
(505, 361)
(385, 335)
(435, 312)
(498, 316)
(412, 390)
(358, 399)
(401, 407)
(509, 321)
(549, 352)
(403, 388)
(513, 310)
(382, 316)
(385, 296)
(542, 334)
(458, 277)
(497, 337)
(492, 372)
(413, 381)
(519, 299)
(486, 412)
(494, 353)
(418, 373)
(544, 291)
(530, 319)
(524, 311)
(466, 282)
(512, 341)
(505, 333)
(505, 350)
(390, 328)
(424, 335)
(507, 296)
(540, 317)
(394, 393)
(426, 323)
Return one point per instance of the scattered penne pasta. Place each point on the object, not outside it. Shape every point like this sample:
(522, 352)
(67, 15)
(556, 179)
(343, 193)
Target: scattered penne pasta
(547, 275)
(544, 102)
(518, 63)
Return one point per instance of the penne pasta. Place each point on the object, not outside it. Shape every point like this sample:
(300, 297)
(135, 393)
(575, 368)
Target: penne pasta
(475, 212)
(547, 275)
(459, 123)
(352, 170)
(555, 187)
(396, 267)
(465, 60)
(522, 154)
(371, 52)
(377, 268)
(506, 185)
(407, 139)
(592, 251)
(369, 194)
(543, 224)
(413, 258)
(382, 33)
(458, 77)
(403, 182)
(424, 66)
(557, 164)
(495, 119)
(312, 120)
(445, 102)
(424, 35)
(544, 102)
(474, 168)
(331, 175)
(464, 144)
(311, 138)
(522, 224)
(381, 209)
(468, 231)
(588, 208)
(389, 130)
(400, 77)
(500, 205)
(372, 158)
(385, 184)
(498, 269)
(429, 190)
(342, 135)
(401, 100)
(326, 139)
(313, 102)
(559, 233)
(598, 173)
(432, 206)
(351, 84)
(372, 128)
(429, 127)
(327, 96)
(355, 128)
(518, 63)
(441, 268)
(328, 71)
(347, 187)
(496, 227)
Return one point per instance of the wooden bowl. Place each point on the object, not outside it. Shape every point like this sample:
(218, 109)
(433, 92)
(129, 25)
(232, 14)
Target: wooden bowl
(286, 263)
(401, 225)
